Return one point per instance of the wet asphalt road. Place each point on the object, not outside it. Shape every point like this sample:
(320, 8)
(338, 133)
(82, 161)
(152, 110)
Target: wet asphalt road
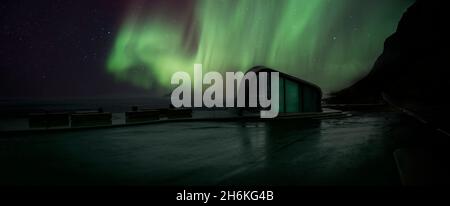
(351, 151)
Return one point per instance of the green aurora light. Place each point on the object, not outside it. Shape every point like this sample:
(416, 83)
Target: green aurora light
(329, 42)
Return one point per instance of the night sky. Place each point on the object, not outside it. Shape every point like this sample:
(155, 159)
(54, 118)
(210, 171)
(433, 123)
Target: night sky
(58, 48)
(68, 48)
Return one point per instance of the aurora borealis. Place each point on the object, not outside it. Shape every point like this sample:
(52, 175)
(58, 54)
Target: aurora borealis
(330, 43)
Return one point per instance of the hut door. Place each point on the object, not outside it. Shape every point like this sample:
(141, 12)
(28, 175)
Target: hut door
(292, 96)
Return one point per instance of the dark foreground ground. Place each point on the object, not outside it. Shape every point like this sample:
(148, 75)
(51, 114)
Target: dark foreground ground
(357, 150)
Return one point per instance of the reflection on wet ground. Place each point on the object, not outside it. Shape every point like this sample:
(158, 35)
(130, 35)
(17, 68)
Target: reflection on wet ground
(351, 151)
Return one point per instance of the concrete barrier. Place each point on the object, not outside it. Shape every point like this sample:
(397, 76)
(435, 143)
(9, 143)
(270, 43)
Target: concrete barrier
(142, 116)
(178, 113)
(91, 119)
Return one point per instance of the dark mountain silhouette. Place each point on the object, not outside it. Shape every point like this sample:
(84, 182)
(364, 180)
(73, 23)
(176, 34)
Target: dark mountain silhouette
(412, 72)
